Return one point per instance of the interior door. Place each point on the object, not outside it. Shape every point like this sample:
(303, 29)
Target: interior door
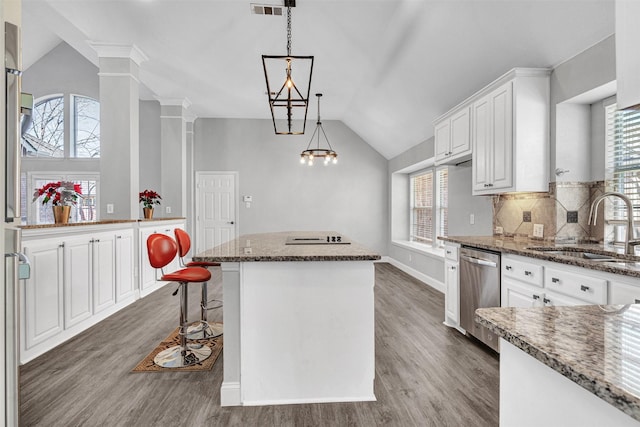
(216, 221)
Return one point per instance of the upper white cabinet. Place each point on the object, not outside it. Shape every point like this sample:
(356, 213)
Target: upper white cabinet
(510, 134)
(453, 136)
(627, 58)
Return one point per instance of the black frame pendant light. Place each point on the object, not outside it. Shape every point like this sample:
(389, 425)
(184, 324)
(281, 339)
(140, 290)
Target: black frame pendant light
(310, 153)
(288, 97)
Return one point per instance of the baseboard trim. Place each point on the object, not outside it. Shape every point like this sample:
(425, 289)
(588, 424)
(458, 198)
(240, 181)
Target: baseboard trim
(230, 394)
(435, 284)
(371, 398)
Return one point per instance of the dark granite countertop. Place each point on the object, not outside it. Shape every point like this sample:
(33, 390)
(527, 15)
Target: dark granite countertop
(597, 347)
(628, 265)
(272, 247)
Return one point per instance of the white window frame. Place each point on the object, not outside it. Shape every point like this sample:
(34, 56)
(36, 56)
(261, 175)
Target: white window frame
(33, 177)
(436, 209)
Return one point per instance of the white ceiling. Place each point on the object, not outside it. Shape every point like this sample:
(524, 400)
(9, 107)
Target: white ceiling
(387, 68)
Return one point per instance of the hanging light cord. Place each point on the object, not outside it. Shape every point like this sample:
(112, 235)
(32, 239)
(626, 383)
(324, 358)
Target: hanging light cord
(288, 31)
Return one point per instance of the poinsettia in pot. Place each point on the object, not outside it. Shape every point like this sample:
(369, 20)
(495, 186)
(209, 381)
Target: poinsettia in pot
(62, 195)
(148, 198)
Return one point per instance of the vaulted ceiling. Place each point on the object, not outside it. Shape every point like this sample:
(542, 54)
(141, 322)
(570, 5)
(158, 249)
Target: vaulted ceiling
(387, 68)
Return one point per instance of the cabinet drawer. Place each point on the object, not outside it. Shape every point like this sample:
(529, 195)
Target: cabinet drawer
(523, 271)
(579, 286)
(451, 252)
(552, 299)
(624, 293)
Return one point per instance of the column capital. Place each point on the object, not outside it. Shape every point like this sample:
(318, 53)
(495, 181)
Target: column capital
(174, 102)
(115, 50)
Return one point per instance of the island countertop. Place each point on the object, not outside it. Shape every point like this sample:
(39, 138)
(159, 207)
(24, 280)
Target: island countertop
(597, 347)
(273, 247)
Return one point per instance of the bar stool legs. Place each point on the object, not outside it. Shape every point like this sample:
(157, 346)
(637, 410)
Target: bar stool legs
(211, 330)
(185, 354)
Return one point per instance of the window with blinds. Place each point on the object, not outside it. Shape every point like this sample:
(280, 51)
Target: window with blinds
(623, 164)
(429, 205)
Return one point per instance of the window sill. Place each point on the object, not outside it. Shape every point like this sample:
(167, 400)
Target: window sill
(421, 248)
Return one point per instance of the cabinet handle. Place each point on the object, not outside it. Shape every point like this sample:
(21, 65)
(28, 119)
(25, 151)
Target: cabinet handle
(555, 280)
(584, 288)
(508, 267)
(637, 301)
(92, 240)
(453, 267)
(61, 245)
(97, 240)
(546, 300)
(527, 273)
(489, 185)
(536, 296)
(448, 252)
(118, 237)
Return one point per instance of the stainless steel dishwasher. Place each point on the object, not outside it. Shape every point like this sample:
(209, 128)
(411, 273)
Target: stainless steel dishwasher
(479, 288)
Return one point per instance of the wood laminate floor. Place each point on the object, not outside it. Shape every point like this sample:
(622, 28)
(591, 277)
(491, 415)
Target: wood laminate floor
(426, 374)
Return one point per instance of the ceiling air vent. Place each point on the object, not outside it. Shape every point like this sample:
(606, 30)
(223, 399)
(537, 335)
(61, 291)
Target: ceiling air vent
(266, 9)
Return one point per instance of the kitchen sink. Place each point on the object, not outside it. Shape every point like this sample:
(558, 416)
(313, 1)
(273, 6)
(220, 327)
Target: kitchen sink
(577, 253)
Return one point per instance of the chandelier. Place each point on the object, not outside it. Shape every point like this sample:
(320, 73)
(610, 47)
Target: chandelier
(288, 97)
(308, 155)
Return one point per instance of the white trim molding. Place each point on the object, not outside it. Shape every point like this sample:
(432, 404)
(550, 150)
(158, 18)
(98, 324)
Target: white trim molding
(430, 281)
(115, 50)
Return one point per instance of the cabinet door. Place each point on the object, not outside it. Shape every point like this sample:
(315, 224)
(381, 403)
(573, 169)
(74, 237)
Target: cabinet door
(516, 294)
(147, 273)
(124, 265)
(77, 280)
(442, 134)
(623, 293)
(501, 101)
(103, 269)
(558, 300)
(461, 132)
(42, 295)
(452, 299)
(481, 144)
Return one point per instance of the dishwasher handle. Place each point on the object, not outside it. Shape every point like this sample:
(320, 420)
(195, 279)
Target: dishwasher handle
(479, 261)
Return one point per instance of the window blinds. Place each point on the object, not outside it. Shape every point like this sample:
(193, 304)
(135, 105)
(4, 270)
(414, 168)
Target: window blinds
(422, 209)
(623, 159)
(443, 201)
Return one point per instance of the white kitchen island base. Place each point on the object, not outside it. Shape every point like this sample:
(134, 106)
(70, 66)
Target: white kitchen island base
(532, 394)
(298, 332)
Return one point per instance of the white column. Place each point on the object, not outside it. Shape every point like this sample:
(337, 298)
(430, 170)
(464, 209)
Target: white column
(190, 118)
(173, 146)
(119, 129)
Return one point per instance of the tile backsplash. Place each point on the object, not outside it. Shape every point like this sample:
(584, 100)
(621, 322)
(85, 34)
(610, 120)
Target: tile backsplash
(563, 211)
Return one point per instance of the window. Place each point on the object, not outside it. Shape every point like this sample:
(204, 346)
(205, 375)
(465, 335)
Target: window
(429, 205)
(43, 133)
(85, 210)
(623, 166)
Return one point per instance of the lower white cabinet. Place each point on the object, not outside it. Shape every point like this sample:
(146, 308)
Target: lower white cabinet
(452, 297)
(517, 294)
(77, 279)
(624, 292)
(42, 295)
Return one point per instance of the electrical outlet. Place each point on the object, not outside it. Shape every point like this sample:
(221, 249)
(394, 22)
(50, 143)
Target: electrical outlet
(499, 230)
(538, 230)
(109, 207)
(472, 219)
(168, 209)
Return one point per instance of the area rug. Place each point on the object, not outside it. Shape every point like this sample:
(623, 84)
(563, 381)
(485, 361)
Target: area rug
(147, 364)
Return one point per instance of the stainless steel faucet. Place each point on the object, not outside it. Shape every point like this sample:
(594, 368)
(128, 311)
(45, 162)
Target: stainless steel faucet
(630, 242)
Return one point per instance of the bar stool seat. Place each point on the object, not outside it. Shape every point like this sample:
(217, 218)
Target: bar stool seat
(162, 249)
(212, 330)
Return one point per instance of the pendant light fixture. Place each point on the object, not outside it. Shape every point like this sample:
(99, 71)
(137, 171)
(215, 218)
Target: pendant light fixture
(289, 93)
(328, 154)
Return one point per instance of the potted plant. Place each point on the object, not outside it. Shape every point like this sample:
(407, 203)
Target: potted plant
(62, 195)
(148, 198)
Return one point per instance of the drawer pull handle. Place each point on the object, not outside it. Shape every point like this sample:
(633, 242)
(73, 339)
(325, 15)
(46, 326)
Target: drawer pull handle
(555, 280)
(448, 252)
(546, 300)
(536, 296)
(453, 267)
(584, 288)
(637, 301)
(527, 273)
(508, 267)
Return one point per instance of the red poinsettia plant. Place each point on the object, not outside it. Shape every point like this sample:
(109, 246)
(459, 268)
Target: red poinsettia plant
(61, 193)
(149, 198)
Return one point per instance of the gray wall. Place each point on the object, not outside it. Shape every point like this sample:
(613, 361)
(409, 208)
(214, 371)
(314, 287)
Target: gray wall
(462, 204)
(350, 197)
(150, 155)
(588, 70)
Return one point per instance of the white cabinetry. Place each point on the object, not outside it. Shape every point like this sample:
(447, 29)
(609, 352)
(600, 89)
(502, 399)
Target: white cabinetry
(624, 291)
(453, 136)
(452, 285)
(510, 134)
(627, 59)
(522, 283)
(42, 304)
(79, 276)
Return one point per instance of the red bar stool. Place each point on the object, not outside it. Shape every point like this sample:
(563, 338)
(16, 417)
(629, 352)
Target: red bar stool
(162, 249)
(212, 330)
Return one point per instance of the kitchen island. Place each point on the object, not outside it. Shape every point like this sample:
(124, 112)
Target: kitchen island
(568, 366)
(298, 318)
